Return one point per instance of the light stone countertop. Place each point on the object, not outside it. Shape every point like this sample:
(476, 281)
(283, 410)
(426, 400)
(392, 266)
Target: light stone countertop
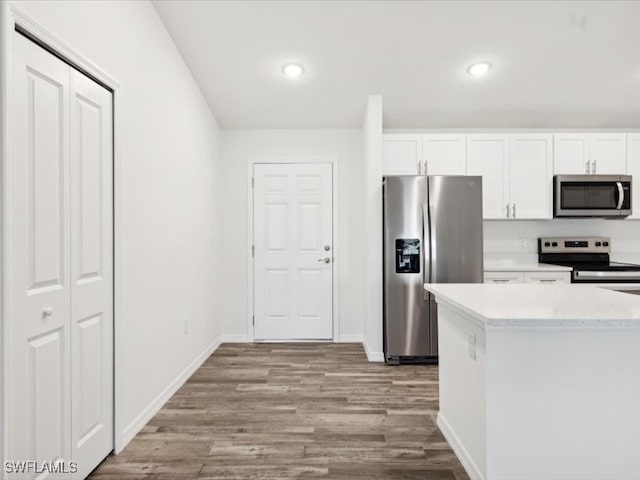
(524, 267)
(535, 305)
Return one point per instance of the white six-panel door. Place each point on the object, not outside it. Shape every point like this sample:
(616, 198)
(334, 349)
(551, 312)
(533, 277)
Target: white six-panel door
(293, 251)
(60, 399)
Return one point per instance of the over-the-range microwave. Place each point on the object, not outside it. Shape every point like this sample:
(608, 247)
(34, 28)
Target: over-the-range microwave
(604, 196)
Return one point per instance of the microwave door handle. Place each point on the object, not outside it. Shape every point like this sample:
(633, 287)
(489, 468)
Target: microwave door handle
(620, 195)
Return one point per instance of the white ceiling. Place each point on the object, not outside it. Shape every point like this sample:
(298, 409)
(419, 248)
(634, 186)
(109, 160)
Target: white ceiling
(556, 64)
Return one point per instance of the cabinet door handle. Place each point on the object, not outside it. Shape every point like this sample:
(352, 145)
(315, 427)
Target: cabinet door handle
(508, 211)
(424, 168)
(514, 210)
(500, 280)
(593, 167)
(548, 280)
(419, 167)
(586, 167)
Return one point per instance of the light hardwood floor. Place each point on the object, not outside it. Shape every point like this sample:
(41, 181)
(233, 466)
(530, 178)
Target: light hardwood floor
(278, 411)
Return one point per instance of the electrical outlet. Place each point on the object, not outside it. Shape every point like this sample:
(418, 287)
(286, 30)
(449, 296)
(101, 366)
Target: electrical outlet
(523, 243)
(471, 337)
(186, 325)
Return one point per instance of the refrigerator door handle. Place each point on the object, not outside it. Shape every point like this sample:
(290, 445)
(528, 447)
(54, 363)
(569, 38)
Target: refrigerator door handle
(426, 248)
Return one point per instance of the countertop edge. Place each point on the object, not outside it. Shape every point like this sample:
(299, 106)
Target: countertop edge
(525, 267)
(533, 321)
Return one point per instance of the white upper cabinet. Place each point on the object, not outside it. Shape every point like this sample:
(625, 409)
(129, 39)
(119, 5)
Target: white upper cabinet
(571, 154)
(424, 154)
(531, 176)
(402, 154)
(633, 169)
(517, 174)
(608, 153)
(488, 156)
(517, 169)
(444, 154)
(589, 154)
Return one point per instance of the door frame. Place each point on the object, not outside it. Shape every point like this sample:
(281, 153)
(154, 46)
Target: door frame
(12, 18)
(330, 160)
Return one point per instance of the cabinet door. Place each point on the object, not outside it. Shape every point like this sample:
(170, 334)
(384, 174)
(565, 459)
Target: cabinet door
(608, 153)
(571, 154)
(444, 154)
(531, 176)
(488, 156)
(547, 277)
(633, 169)
(402, 154)
(503, 277)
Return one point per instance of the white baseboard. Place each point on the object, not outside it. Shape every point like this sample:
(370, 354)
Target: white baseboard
(458, 448)
(147, 414)
(235, 339)
(350, 339)
(372, 356)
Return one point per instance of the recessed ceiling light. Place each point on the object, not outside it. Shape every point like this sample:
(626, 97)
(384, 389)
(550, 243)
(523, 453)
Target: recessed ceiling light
(479, 69)
(292, 70)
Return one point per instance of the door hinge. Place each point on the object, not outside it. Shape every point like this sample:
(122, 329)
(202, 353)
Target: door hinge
(253, 250)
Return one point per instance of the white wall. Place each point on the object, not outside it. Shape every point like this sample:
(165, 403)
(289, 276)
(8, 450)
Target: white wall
(372, 145)
(503, 239)
(346, 145)
(169, 228)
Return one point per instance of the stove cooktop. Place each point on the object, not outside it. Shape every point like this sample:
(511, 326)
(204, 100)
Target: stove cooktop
(610, 266)
(589, 259)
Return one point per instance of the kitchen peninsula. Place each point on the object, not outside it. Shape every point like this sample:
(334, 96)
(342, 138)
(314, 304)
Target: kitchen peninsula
(540, 381)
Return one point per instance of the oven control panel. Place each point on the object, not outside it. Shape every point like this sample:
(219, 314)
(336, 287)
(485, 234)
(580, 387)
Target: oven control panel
(574, 245)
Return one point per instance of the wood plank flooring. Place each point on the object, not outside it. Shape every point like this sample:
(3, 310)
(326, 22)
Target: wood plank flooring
(279, 411)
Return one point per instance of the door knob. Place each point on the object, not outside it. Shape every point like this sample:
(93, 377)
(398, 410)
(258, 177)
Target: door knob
(47, 312)
(325, 259)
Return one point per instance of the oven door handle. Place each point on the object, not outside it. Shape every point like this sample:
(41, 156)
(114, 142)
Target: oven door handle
(607, 275)
(620, 195)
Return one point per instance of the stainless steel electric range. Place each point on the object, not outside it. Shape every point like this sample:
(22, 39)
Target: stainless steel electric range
(589, 259)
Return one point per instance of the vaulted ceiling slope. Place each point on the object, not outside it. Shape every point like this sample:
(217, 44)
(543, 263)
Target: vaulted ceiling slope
(556, 64)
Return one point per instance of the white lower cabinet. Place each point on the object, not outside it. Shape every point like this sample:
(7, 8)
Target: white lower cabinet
(547, 277)
(503, 277)
(526, 277)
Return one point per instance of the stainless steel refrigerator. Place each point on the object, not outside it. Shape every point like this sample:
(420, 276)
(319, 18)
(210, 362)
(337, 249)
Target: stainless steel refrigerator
(432, 234)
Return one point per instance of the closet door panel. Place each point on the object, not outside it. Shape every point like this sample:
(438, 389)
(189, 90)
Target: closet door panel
(38, 264)
(91, 272)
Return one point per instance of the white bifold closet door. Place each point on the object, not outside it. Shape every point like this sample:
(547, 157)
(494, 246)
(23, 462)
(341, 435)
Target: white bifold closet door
(60, 267)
